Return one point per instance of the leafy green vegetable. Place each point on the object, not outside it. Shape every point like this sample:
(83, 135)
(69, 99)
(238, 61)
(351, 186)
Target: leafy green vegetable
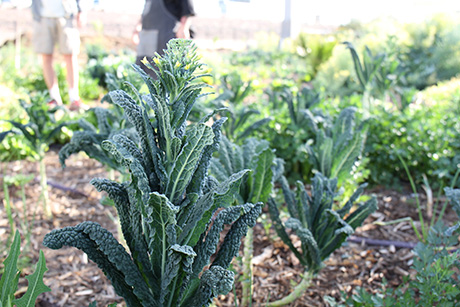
(231, 102)
(254, 154)
(39, 133)
(89, 140)
(171, 211)
(256, 187)
(10, 278)
(320, 229)
(338, 148)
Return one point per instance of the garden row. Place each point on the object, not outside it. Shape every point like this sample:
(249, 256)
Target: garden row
(289, 134)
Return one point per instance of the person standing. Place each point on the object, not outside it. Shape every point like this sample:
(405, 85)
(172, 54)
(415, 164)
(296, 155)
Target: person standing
(58, 22)
(161, 21)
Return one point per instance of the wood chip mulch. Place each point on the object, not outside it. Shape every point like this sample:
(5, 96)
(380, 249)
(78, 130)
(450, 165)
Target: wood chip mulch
(76, 281)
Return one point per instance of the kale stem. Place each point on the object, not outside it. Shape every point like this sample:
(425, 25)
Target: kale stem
(44, 186)
(7, 204)
(246, 299)
(171, 294)
(299, 290)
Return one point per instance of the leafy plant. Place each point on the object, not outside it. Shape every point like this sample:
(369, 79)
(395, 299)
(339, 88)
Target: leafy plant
(171, 212)
(416, 134)
(338, 148)
(315, 49)
(102, 65)
(89, 140)
(430, 52)
(39, 133)
(10, 278)
(256, 187)
(377, 74)
(240, 115)
(303, 120)
(234, 88)
(320, 229)
(437, 267)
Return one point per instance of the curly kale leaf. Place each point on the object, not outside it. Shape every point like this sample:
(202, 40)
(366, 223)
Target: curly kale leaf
(130, 222)
(161, 219)
(198, 137)
(90, 138)
(201, 174)
(232, 240)
(214, 281)
(281, 231)
(138, 117)
(102, 248)
(198, 216)
(178, 270)
(207, 245)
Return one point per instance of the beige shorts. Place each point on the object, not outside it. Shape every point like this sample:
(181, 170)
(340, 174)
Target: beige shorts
(51, 31)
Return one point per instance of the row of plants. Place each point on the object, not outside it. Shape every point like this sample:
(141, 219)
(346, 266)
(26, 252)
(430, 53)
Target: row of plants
(331, 142)
(401, 116)
(167, 206)
(380, 73)
(172, 210)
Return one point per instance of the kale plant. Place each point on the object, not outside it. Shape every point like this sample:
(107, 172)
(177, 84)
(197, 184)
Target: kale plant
(304, 120)
(90, 138)
(256, 187)
(337, 148)
(320, 229)
(241, 123)
(171, 211)
(41, 130)
(254, 154)
(378, 76)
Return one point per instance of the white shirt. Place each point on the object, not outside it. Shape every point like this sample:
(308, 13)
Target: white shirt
(52, 9)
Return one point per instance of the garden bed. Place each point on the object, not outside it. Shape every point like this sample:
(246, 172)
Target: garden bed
(76, 281)
(375, 257)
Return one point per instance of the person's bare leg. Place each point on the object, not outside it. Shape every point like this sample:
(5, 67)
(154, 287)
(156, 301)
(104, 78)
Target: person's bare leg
(50, 78)
(71, 62)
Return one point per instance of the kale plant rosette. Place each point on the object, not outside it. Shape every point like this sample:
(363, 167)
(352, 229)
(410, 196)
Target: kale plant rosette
(171, 211)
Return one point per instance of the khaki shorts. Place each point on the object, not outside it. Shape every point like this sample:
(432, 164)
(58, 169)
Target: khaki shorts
(51, 31)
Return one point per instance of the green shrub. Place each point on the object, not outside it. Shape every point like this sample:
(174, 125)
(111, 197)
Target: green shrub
(425, 137)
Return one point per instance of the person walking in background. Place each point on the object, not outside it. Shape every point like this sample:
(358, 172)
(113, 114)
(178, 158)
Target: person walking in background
(58, 22)
(161, 21)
